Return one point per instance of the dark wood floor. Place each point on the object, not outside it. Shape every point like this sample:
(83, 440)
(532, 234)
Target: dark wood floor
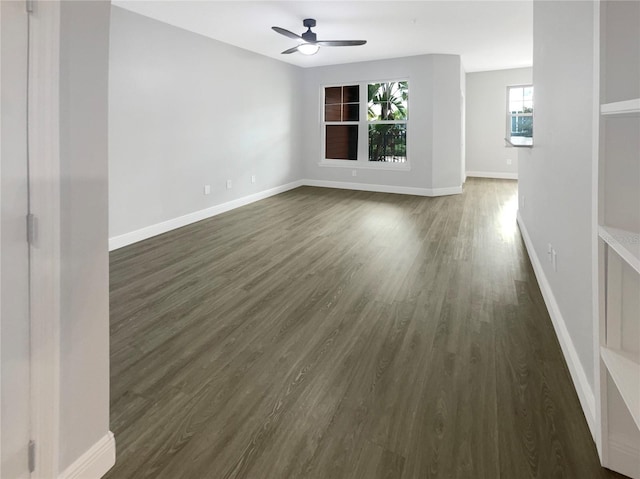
(334, 334)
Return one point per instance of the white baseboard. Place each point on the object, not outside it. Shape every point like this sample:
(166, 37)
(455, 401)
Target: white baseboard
(126, 239)
(492, 174)
(578, 375)
(94, 463)
(624, 457)
(403, 190)
(159, 228)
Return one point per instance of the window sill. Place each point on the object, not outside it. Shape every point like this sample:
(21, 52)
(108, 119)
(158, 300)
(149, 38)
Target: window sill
(362, 165)
(520, 142)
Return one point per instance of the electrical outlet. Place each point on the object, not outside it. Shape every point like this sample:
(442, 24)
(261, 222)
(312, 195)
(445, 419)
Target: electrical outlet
(228, 184)
(508, 161)
(354, 172)
(253, 178)
(207, 189)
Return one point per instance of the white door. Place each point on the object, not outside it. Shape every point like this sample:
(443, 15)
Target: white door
(14, 252)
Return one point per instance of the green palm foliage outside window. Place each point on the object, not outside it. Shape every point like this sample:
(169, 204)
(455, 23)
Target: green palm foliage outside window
(387, 117)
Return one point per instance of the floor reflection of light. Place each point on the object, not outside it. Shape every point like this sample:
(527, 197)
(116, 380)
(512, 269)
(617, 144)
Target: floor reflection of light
(389, 226)
(384, 218)
(507, 218)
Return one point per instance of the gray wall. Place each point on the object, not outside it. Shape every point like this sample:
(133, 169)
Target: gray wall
(556, 179)
(84, 335)
(185, 111)
(486, 121)
(14, 252)
(446, 164)
(433, 146)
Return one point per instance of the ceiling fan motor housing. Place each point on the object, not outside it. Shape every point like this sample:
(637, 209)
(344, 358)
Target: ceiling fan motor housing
(309, 36)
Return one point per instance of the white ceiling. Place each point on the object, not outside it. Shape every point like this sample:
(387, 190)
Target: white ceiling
(489, 35)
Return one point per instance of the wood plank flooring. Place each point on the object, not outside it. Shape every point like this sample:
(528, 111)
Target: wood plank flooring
(335, 334)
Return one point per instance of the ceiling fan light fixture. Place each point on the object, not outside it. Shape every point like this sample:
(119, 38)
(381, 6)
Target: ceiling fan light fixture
(308, 48)
(308, 43)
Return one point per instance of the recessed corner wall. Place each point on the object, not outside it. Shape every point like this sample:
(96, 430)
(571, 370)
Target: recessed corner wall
(187, 111)
(434, 131)
(487, 154)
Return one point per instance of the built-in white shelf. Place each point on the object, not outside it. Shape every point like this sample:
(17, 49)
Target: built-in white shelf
(624, 369)
(627, 107)
(625, 243)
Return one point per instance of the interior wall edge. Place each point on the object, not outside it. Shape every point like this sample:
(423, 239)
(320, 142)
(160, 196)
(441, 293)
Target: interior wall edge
(576, 370)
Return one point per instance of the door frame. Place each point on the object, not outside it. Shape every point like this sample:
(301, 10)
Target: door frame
(44, 165)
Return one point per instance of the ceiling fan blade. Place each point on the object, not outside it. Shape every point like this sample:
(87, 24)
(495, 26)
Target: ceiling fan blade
(286, 33)
(340, 43)
(290, 50)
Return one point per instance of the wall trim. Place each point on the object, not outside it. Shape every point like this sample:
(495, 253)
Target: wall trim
(172, 224)
(147, 232)
(94, 463)
(492, 174)
(578, 376)
(624, 457)
(402, 190)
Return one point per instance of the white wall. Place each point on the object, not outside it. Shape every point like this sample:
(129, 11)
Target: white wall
(555, 178)
(434, 129)
(84, 293)
(185, 111)
(14, 253)
(486, 122)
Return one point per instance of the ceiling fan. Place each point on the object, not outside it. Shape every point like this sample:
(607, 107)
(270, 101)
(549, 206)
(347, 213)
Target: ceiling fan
(309, 43)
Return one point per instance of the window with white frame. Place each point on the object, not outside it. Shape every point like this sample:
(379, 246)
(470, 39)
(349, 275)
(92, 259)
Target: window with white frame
(358, 132)
(387, 118)
(341, 121)
(520, 111)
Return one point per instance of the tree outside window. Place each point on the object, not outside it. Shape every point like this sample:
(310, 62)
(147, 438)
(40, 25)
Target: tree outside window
(387, 118)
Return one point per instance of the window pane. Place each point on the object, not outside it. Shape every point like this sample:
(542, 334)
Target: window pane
(387, 101)
(351, 112)
(521, 99)
(341, 142)
(515, 94)
(351, 94)
(374, 111)
(333, 95)
(341, 103)
(516, 107)
(522, 126)
(388, 143)
(332, 112)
